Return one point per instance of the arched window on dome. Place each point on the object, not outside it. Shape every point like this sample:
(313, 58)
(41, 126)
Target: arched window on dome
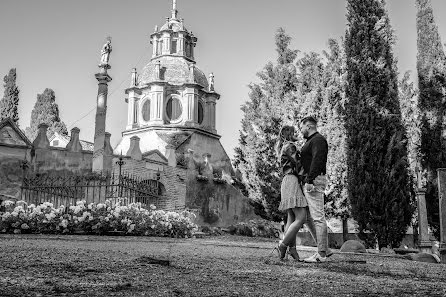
(146, 110)
(200, 112)
(174, 109)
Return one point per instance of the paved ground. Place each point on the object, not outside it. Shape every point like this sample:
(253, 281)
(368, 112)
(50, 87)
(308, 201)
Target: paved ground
(48, 265)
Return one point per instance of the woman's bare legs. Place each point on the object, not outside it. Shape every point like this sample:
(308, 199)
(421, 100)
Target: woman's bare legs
(300, 216)
(290, 218)
(289, 240)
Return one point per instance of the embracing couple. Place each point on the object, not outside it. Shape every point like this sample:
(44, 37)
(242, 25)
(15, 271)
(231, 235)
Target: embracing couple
(302, 189)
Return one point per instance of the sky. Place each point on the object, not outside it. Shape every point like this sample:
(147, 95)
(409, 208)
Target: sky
(56, 44)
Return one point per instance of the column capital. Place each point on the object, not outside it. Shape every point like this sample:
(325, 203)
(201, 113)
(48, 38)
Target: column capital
(103, 77)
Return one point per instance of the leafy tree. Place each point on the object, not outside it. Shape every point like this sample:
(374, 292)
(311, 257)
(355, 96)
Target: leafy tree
(431, 63)
(10, 101)
(270, 104)
(332, 111)
(378, 180)
(46, 111)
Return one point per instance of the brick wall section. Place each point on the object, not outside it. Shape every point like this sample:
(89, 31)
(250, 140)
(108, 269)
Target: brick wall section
(172, 178)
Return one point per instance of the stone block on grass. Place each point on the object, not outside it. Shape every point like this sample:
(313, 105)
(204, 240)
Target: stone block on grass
(353, 246)
(422, 257)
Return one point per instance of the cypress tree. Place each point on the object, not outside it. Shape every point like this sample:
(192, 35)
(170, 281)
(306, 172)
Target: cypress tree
(46, 111)
(378, 181)
(431, 62)
(10, 101)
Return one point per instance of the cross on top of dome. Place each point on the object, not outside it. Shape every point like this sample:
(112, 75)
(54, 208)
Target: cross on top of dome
(174, 9)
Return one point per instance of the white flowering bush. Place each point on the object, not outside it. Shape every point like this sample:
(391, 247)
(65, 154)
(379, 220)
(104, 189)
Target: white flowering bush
(100, 218)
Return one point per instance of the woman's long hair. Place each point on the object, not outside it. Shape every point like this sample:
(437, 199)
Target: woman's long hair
(282, 138)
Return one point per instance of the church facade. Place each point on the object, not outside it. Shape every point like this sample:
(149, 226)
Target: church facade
(171, 103)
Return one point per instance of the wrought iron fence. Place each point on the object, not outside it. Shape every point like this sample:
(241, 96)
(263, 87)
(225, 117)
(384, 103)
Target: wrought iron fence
(93, 188)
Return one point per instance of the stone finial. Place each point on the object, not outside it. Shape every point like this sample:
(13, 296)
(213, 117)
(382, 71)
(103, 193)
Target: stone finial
(134, 151)
(134, 81)
(170, 155)
(41, 140)
(156, 28)
(157, 70)
(191, 73)
(74, 145)
(211, 82)
(108, 150)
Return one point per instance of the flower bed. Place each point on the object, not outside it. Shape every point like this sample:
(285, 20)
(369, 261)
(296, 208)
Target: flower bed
(100, 218)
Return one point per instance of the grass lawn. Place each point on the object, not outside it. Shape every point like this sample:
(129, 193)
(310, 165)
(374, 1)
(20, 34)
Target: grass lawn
(70, 265)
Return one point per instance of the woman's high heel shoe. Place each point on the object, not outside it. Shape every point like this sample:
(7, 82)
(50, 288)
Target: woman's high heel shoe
(282, 250)
(293, 252)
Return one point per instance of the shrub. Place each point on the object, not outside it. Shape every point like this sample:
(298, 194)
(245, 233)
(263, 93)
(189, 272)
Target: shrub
(97, 218)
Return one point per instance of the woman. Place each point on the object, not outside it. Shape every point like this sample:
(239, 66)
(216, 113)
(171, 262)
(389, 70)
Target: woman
(292, 198)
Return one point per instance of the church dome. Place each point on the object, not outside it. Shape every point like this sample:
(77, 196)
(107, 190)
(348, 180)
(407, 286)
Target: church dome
(174, 70)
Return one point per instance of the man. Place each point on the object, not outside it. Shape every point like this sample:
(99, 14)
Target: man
(314, 161)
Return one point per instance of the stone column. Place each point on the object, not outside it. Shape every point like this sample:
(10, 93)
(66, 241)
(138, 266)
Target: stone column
(212, 115)
(180, 44)
(101, 112)
(130, 113)
(442, 211)
(424, 243)
(157, 105)
(166, 44)
(41, 141)
(74, 145)
(154, 46)
(191, 109)
(134, 151)
(157, 70)
(108, 154)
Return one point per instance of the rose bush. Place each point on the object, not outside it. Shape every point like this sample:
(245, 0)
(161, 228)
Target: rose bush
(100, 218)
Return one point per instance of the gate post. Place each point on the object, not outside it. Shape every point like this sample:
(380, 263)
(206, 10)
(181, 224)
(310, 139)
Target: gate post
(442, 211)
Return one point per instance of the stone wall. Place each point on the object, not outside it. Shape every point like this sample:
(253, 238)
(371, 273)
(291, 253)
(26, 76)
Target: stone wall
(173, 180)
(11, 157)
(59, 159)
(217, 204)
(211, 196)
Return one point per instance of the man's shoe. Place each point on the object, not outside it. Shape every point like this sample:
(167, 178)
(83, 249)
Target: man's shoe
(329, 253)
(316, 258)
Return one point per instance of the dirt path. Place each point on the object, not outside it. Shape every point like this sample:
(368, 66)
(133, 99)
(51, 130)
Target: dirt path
(45, 265)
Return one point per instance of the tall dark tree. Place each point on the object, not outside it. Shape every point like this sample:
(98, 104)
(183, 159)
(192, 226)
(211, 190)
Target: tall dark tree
(270, 104)
(431, 63)
(9, 104)
(378, 180)
(46, 111)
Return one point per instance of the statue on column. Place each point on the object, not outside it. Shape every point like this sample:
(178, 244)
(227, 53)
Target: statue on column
(105, 52)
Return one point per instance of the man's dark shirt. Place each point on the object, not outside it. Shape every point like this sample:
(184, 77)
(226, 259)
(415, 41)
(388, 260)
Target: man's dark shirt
(314, 157)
